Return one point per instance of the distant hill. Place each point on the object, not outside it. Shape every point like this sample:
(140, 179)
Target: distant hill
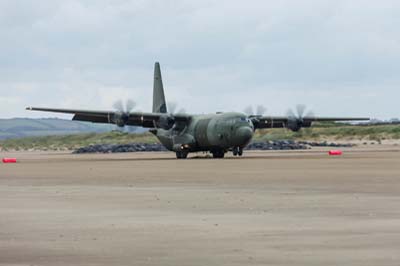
(25, 127)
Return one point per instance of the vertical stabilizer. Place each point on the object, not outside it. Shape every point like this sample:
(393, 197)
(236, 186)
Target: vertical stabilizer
(159, 104)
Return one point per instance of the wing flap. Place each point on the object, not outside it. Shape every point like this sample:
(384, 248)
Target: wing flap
(92, 118)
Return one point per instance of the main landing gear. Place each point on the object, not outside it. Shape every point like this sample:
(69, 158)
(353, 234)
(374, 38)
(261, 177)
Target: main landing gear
(218, 153)
(237, 151)
(181, 154)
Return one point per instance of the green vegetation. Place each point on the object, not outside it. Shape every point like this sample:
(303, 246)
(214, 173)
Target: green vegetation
(319, 132)
(70, 142)
(333, 131)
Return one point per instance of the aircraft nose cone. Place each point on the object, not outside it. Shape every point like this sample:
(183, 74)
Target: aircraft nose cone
(244, 135)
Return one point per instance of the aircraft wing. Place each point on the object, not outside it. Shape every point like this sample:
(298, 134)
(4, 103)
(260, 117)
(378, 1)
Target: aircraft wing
(147, 120)
(295, 123)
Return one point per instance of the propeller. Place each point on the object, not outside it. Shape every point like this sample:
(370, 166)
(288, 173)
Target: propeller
(127, 108)
(167, 121)
(296, 119)
(259, 110)
(122, 111)
(172, 107)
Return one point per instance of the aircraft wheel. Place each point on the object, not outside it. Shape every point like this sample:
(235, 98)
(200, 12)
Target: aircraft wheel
(181, 154)
(235, 151)
(240, 152)
(218, 154)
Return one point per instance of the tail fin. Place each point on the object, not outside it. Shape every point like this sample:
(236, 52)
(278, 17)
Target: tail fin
(159, 104)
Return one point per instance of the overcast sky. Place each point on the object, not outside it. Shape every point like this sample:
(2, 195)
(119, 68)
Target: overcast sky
(337, 57)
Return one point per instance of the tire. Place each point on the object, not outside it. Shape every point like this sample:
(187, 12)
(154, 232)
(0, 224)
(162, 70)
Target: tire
(235, 151)
(240, 152)
(181, 154)
(218, 154)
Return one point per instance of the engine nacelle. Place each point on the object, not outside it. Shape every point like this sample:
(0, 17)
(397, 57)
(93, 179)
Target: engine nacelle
(166, 122)
(120, 119)
(296, 124)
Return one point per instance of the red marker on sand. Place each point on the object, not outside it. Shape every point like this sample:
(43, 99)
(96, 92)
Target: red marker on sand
(9, 160)
(335, 152)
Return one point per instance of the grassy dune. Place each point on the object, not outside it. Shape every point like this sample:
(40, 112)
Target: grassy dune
(334, 132)
(318, 133)
(70, 142)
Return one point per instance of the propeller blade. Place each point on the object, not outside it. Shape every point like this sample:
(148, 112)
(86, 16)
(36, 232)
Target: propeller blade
(261, 110)
(310, 114)
(290, 113)
(172, 107)
(118, 106)
(300, 108)
(248, 110)
(130, 105)
(181, 111)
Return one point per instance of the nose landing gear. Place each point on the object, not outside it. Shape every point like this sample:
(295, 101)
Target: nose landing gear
(237, 151)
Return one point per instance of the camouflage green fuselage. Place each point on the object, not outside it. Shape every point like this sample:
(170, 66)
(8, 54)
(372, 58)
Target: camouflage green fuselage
(208, 132)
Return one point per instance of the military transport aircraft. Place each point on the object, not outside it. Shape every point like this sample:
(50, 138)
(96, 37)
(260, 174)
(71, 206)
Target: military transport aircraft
(184, 133)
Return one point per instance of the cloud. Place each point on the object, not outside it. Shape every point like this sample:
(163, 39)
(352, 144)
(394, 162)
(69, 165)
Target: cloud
(215, 55)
